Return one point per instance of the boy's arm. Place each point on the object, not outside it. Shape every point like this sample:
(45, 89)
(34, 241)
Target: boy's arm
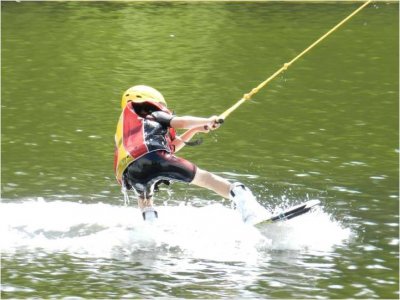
(186, 122)
(189, 122)
(180, 141)
(195, 125)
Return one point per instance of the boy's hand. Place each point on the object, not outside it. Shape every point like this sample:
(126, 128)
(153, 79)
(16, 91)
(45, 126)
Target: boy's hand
(203, 129)
(212, 123)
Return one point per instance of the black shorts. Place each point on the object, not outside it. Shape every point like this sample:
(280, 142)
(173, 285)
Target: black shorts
(145, 173)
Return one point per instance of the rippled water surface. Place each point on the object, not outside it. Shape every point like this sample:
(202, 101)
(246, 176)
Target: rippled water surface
(325, 129)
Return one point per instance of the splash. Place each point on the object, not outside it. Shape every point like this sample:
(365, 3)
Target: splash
(316, 231)
(210, 232)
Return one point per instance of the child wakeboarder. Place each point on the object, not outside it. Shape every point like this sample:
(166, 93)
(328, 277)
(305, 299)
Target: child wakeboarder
(145, 147)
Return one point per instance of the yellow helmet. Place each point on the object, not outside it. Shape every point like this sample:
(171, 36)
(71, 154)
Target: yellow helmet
(142, 93)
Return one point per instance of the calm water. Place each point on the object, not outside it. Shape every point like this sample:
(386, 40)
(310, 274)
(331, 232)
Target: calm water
(326, 129)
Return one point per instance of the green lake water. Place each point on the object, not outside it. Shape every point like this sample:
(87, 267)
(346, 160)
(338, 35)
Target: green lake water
(325, 129)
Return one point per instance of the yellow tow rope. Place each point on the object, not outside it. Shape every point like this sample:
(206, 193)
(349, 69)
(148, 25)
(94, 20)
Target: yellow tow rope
(245, 97)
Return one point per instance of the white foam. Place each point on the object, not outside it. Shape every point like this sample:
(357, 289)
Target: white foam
(211, 232)
(313, 231)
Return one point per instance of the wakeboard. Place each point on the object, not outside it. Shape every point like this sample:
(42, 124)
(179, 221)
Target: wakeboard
(290, 213)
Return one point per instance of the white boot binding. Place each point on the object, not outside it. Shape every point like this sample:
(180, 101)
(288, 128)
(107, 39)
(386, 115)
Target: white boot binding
(149, 214)
(246, 204)
(234, 187)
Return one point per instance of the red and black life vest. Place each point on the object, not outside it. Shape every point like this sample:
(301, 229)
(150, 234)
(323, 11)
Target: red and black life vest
(137, 136)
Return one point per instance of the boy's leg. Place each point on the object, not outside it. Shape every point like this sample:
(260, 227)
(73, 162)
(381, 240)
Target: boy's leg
(247, 205)
(145, 203)
(212, 182)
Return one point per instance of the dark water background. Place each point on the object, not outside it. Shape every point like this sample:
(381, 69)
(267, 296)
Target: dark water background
(327, 129)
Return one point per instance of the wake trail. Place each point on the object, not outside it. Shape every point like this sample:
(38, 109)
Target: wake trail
(210, 232)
